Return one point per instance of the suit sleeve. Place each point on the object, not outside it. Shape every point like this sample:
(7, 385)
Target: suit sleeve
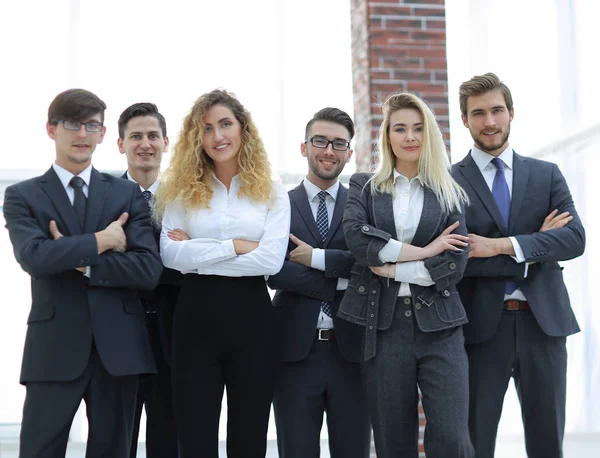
(303, 280)
(364, 240)
(35, 250)
(338, 263)
(447, 268)
(561, 244)
(140, 266)
(498, 266)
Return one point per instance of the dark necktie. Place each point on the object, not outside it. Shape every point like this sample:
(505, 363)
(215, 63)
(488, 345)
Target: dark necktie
(80, 201)
(148, 198)
(501, 193)
(323, 226)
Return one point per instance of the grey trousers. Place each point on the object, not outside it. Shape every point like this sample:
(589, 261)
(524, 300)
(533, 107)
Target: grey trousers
(435, 362)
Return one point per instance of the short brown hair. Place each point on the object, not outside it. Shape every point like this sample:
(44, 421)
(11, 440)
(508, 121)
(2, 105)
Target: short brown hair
(75, 105)
(482, 84)
(334, 115)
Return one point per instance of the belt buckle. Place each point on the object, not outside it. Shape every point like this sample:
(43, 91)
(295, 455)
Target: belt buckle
(511, 305)
(320, 335)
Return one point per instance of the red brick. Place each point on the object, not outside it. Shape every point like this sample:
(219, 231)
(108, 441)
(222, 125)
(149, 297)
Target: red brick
(389, 9)
(431, 12)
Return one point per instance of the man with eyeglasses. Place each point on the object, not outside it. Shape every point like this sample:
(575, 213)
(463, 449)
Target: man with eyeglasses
(143, 140)
(319, 368)
(86, 240)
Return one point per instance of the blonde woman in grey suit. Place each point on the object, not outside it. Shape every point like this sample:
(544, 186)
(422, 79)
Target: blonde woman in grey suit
(406, 229)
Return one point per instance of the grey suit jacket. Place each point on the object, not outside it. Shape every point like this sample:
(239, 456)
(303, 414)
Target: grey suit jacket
(368, 225)
(69, 310)
(301, 289)
(538, 188)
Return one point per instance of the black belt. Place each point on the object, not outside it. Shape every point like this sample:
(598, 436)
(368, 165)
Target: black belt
(514, 304)
(325, 334)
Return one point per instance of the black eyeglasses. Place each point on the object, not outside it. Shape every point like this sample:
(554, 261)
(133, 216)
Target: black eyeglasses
(323, 143)
(90, 126)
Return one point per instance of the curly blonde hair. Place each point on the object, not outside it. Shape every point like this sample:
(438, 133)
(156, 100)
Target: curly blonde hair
(187, 179)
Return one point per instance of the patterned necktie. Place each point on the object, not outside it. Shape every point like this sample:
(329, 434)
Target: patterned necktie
(502, 195)
(148, 198)
(80, 201)
(323, 226)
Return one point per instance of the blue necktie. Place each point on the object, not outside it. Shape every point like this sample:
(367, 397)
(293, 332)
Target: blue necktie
(148, 198)
(501, 193)
(323, 226)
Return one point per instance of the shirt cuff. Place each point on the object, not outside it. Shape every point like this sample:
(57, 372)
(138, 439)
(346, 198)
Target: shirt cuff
(342, 284)
(317, 260)
(88, 272)
(519, 256)
(391, 251)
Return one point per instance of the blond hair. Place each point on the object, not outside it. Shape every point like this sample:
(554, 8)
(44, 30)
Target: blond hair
(433, 167)
(188, 177)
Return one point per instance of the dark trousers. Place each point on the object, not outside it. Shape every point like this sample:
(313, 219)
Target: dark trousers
(223, 336)
(322, 382)
(436, 363)
(154, 392)
(50, 407)
(538, 363)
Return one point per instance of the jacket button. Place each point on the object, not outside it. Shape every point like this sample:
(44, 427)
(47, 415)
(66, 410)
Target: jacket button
(365, 228)
(446, 293)
(372, 303)
(335, 273)
(370, 327)
(407, 300)
(408, 313)
(361, 289)
(452, 266)
(418, 306)
(374, 291)
(372, 315)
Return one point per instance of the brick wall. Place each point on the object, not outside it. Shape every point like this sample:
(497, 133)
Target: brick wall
(396, 46)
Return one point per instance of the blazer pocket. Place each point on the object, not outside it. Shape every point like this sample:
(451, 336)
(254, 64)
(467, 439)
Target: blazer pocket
(133, 307)
(449, 308)
(38, 314)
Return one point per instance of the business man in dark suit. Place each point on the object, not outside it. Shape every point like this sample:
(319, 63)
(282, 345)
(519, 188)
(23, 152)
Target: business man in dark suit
(522, 222)
(85, 238)
(319, 370)
(143, 140)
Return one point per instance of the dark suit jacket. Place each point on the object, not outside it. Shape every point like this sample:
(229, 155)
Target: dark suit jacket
(538, 188)
(370, 300)
(301, 289)
(68, 309)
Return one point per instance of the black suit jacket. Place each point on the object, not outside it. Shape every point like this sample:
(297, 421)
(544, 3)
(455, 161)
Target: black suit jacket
(538, 188)
(68, 309)
(301, 289)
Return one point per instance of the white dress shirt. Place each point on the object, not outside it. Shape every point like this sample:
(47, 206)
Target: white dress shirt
(210, 250)
(153, 187)
(488, 170)
(318, 254)
(407, 207)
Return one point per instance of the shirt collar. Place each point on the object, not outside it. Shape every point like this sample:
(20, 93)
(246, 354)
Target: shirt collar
(153, 187)
(65, 176)
(312, 190)
(418, 178)
(483, 159)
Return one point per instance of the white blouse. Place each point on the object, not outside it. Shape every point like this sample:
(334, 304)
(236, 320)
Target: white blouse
(210, 250)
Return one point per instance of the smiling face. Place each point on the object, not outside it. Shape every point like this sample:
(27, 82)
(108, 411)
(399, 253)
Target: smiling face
(143, 143)
(222, 136)
(326, 164)
(74, 149)
(405, 135)
(488, 120)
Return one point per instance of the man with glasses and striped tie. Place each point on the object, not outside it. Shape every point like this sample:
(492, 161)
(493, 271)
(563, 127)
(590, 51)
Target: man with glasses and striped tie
(143, 140)
(86, 240)
(319, 370)
(522, 223)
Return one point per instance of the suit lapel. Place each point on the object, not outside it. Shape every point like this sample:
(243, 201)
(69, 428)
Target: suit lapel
(474, 177)
(383, 214)
(430, 219)
(338, 212)
(52, 186)
(97, 190)
(519, 186)
(298, 195)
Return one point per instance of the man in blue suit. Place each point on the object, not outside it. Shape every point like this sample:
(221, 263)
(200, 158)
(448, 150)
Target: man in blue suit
(143, 140)
(522, 223)
(85, 238)
(319, 370)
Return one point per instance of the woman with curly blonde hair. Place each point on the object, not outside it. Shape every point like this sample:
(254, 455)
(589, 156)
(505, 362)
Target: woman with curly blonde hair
(225, 224)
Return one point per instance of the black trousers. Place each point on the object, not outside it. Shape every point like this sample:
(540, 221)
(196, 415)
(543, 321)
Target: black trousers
(154, 391)
(538, 363)
(223, 336)
(50, 407)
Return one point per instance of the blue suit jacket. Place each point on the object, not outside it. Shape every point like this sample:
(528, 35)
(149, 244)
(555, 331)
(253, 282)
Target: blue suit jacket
(301, 289)
(538, 188)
